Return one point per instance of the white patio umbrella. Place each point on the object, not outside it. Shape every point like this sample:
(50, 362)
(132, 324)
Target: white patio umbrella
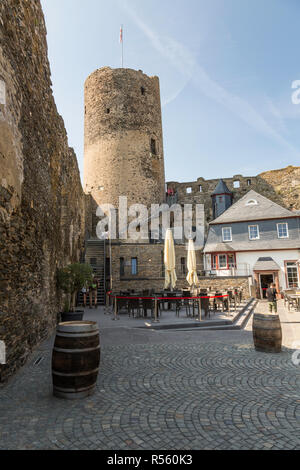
(169, 260)
(192, 277)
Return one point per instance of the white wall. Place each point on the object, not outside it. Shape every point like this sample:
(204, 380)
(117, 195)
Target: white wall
(278, 256)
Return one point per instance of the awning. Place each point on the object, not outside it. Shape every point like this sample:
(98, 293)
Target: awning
(266, 264)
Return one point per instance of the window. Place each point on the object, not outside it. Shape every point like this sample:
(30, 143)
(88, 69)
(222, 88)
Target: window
(226, 234)
(107, 110)
(93, 261)
(292, 274)
(282, 230)
(134, 266)
(153, 146)
(248, 182)
(236, 184)
(214, 261)
(222, 261)
(189, 190)
(253, 232)
(122, 267)
(200, 188)
(143, 90)
(183, 265)
(162, 264)
(231, 261)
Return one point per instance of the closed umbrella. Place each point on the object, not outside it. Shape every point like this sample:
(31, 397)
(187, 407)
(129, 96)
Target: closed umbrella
(192, 277)
(169, 260)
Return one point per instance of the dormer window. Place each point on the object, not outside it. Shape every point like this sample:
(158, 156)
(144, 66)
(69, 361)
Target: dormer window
(251, 202)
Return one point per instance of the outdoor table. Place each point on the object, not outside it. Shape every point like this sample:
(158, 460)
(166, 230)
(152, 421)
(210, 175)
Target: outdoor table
(297, 298)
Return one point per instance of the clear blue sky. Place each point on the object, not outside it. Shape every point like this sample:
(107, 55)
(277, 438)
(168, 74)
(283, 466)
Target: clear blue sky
(225, 66)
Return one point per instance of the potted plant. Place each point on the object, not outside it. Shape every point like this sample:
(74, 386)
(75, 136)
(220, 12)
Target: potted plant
(71, 279)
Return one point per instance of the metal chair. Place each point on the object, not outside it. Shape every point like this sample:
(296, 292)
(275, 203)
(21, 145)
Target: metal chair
(148, 304)
(134, 305)
(122, 303)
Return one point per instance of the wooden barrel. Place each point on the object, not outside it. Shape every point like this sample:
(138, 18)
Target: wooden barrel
(75, 359)
(267, 334)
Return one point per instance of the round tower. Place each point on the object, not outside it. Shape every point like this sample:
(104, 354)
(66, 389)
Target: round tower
(123, 147)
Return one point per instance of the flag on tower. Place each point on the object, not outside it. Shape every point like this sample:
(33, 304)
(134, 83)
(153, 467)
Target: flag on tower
(121, 34)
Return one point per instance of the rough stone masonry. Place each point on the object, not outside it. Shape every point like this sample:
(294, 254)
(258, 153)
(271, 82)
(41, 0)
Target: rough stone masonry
(41, 198)
(42, 207)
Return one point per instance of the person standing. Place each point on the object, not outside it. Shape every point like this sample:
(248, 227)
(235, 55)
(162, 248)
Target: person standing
(84, 291)
(271, 294)
(93, 292)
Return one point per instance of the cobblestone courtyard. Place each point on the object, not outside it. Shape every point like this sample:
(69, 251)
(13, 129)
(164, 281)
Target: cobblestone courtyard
(170, 390)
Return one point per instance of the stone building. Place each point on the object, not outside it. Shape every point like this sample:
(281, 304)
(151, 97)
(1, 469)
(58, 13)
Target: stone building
(45, 216)
(255, 236)
(123, 150)
(124, 157)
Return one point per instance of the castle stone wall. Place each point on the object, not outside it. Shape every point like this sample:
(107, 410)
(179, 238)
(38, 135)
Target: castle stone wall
(281, 186)
(41, 198)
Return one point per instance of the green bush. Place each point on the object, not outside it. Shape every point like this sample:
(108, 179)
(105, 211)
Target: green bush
(72, 278)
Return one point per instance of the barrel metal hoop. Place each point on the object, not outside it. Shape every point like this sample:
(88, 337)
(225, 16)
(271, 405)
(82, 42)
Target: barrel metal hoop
(72, 334)
(71, 351)
(73, 390)
(75, 374)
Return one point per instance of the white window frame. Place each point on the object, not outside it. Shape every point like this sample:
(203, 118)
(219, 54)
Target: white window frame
(227, 228)
(258, 234)
(226, 261)
(287, 229)
(291, 264)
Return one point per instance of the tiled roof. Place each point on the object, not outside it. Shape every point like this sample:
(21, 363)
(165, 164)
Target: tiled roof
(252, 245)
(266, 264)
(261, 208)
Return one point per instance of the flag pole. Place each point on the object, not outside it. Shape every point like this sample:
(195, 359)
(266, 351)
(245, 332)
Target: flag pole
(121, 40)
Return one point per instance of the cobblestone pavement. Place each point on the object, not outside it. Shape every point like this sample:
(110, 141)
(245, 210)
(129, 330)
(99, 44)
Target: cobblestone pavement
(197, 395)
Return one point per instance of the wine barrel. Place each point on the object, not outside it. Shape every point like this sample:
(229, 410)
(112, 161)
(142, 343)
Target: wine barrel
(267, 334)
(75, 359)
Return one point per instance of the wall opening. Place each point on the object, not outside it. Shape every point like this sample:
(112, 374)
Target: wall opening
(143, 91)
(153, 147)
(236, 184)
(122, 267)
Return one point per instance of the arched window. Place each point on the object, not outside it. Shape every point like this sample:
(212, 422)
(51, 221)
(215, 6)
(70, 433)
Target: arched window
(251, 202)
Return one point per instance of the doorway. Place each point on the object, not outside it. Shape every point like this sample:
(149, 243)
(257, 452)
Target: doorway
(265, 281)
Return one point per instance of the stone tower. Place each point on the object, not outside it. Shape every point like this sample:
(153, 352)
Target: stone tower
(123, 149)
(221, 199)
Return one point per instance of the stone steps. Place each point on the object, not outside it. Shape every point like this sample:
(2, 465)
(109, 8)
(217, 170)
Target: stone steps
(238, 322)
